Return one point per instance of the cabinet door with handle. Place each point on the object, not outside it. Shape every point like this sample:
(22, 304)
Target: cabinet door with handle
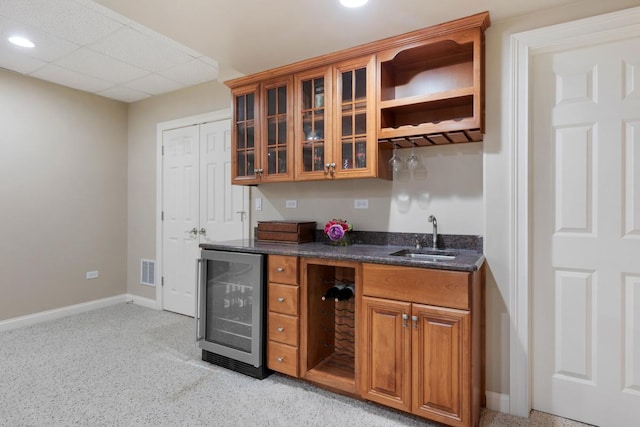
(386, 350)
(354, 118)
(246, 162)
(313, 132)
(277, 130)
(441, 364)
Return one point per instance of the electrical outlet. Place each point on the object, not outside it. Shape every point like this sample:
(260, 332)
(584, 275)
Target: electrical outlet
(361, 204)
(258, 203)
(291, 204)
(92, 274)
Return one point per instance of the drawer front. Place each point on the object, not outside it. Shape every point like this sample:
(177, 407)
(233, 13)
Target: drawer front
(283, 269)
(283, 329)
(283, 299)
(425, 286)
(282, 358)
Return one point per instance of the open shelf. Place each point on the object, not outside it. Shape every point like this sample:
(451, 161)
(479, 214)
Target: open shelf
(431, 88)
(330, 348)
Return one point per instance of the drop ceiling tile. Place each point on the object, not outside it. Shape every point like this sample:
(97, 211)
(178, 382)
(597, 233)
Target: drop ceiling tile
(69, 78)
(103, 67)
(67, 19)
(154, 84)
(15, 61)
(124, 94)
(48, 48)
(141, 50)
(192, 72)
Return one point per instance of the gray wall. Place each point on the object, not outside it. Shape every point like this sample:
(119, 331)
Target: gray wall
(63, 196)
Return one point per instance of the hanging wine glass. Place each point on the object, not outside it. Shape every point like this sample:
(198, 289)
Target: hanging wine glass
(395, 162)
(413, 162)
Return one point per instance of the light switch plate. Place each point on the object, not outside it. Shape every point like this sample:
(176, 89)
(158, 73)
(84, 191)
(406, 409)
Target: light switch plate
(361, 204)
(291, 204)
(258, 203)
(92, 274)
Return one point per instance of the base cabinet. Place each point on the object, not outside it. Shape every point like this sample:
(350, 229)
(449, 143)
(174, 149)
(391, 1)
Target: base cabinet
(420, 357)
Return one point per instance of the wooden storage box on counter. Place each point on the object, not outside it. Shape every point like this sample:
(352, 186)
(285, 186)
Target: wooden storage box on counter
(286, 231)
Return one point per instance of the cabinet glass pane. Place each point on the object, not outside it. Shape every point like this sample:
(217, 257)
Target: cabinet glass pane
(282, 161)
(361, 153)
(347, 155)
(347, 86)
(307, 94)
(277, 130)
(313, 123)
(353, 124)
(282, 132)
(361, 124)
(282, 99)
(361, 83)
(242, 136)
(250, 103)
(242, 163)
(318, 90)
(271, 102)
(250, 136)
(240, 108)
(271, 131)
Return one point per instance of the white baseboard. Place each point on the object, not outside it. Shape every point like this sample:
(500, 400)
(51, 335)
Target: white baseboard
(143, 302)
(497, 402)
(57, 313)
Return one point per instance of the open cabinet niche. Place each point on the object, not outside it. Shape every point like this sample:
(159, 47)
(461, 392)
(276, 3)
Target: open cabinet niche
(328, 356)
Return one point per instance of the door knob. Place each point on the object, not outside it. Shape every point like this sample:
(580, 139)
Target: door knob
(193, 232)
(203, 231)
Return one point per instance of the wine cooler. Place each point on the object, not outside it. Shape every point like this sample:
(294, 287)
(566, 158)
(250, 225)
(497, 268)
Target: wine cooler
(230, 311)
(330, 324)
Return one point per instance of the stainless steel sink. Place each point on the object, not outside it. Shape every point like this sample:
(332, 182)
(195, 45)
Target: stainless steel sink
(426, 254)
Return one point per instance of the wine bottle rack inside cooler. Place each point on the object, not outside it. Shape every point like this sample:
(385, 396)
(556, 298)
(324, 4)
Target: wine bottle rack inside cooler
(331, 326)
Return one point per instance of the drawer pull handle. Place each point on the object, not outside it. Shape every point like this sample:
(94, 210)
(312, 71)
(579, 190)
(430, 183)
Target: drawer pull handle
(280, 269)
(280, 359)
(280, 329)
(280, 299)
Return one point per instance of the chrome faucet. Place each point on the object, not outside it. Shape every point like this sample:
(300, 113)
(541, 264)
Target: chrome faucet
(432, 219)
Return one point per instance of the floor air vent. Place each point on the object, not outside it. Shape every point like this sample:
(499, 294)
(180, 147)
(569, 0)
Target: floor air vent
(148, 272)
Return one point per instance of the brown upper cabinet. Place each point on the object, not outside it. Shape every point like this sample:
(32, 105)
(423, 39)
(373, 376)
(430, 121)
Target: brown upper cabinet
(338, 115)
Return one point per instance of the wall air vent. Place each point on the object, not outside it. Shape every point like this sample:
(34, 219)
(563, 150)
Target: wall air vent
(148, 272)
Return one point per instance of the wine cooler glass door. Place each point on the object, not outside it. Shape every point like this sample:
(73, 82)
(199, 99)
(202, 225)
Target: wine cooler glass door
(233, 305)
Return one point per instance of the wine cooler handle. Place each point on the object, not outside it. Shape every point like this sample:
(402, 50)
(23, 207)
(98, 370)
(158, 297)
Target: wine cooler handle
(405, 320)
(199, 263)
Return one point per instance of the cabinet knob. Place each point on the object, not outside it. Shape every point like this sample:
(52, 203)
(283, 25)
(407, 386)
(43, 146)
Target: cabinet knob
(280, 299)
(280, 329)
(280, 269)
(280, 359)
(414, 319)
(405, 320)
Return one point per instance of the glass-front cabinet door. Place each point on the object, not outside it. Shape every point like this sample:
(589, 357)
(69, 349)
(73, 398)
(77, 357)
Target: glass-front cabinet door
(245, 163)
(356, 144)
(277, 158)
(313, 132)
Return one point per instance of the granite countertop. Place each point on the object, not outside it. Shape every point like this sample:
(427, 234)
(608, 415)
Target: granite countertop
(465, 260)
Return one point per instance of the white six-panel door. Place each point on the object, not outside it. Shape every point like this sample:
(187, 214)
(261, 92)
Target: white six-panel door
(222, 211)
(199, 203)
(181, 211)
(586, 233)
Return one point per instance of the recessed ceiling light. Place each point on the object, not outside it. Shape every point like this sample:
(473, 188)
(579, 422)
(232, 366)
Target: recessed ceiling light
(353, 3)
(21, 41)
